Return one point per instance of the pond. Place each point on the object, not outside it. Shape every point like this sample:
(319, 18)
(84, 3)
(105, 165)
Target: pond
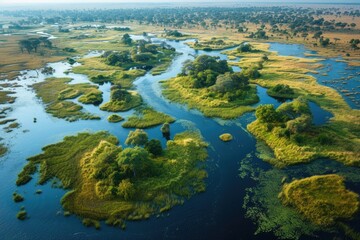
(215, 214)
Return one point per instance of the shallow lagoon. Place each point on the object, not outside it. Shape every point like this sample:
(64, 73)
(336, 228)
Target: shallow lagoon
(215, 214)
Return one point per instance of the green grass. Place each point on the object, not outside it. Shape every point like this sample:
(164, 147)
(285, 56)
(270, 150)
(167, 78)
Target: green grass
(324, 200)
(115, 105)
(147, 117)
(55, 92)
(177, 175)
(114, 118)
(178, 90)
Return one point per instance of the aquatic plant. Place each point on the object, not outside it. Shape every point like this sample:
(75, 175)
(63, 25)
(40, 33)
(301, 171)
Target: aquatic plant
(322, 199)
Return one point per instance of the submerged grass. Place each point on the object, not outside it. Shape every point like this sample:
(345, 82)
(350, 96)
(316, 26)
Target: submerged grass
(146, 117)
(55, 92)
(74, 160)
(321, 199)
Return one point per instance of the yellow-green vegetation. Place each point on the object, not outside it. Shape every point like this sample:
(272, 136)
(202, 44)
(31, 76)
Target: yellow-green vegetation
(226, 137)
(289, 74)
(55, 92)
(324, 200)
(209, 85)
(121, 100)
(114, 118)
(61, 165)
(109, 183)
(5, 97)
(212, 44)
(99, 72)
(146, 117)
(289, 133)
(17, 197)
(21, 215)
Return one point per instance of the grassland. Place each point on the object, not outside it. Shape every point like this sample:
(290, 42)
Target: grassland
(55, 92)
(99, 72)
(177, 175)
(146, 117)
(323, 200)
(15, 61)
(179, 90)
(343, 128)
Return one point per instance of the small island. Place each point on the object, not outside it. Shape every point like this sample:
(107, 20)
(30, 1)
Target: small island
(226, 137)
(323, 200)
(210, 85)
(112, 183)
(114, 118)
(146, 117)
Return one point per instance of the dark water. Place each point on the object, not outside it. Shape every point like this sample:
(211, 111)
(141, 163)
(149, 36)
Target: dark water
(215, 214)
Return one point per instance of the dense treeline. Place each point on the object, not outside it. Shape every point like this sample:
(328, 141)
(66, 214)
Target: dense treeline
(296, 19)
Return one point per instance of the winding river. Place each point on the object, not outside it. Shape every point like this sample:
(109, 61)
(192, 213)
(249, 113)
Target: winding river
(215, 214)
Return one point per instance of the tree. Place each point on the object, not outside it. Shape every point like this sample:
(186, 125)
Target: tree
(245, 48)
(126, 39)
(137, 138)
(336, 40)
(317, 35)
(154, 147)
(304, 35)
(267, 114)
(126, 189)
(135, 160)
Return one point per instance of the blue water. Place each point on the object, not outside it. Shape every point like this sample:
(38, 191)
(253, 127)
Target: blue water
(215, 214)
(320, 116)
(335, 73)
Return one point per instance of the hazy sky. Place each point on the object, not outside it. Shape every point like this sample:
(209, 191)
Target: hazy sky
(132, 1)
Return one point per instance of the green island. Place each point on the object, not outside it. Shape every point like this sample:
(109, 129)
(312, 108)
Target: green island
(146, 117)
(289, 132)
(212, 44)
(22, 215)
(226, 137)
(323, 200)
(121, 100)
(114, 118)
(107, 182)
(209, 85)
(55, 93)
(17, 197)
